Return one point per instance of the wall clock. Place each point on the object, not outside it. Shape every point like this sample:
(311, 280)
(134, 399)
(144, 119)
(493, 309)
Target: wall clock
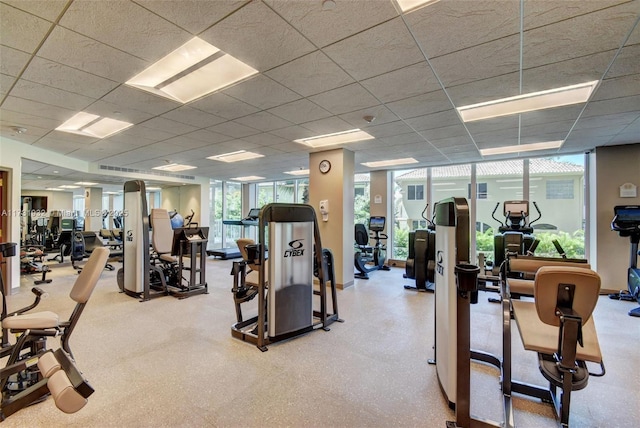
(325, 166)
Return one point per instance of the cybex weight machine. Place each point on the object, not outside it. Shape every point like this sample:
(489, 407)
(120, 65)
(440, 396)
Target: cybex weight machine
(285, 286)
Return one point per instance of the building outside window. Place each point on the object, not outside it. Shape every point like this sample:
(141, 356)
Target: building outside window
(415, 192)
(560, 189)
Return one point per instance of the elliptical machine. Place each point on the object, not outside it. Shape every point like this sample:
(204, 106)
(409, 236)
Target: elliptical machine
(421, 260)
(626, 222)
(515, 234)
(366, 253)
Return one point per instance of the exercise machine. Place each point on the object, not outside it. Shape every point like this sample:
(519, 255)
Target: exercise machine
(233, 253)
(515, 234)
(420, 264)
(134, 276)
(171, 248)
(285, 279)
(60, 378)
(32, 329)
(626, 222)
(369, 258)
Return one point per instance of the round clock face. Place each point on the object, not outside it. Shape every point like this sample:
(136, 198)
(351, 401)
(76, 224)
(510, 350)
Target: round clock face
(324, 166)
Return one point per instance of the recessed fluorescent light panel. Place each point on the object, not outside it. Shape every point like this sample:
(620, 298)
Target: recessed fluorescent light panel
(407, 5)
(343, 137)
(91, 125)
(193, 70)
(558, 97)
(240, 155)
(174, 167)
(391, 162)
(298, 172)
(57, 189)
(247, 178)
(522, 148)
(153, 189)
(86, 183)
(69, 186)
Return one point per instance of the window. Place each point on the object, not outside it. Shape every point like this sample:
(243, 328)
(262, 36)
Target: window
(481, 191)
(559, 189)
(419, 224)
(415, 192)
(359, 191)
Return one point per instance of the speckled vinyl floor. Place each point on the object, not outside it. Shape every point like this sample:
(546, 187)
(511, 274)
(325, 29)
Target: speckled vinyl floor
(173, 363)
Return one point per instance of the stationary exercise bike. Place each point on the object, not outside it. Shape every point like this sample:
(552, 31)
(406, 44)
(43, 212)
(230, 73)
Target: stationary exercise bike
(366, 253)
(627, 223)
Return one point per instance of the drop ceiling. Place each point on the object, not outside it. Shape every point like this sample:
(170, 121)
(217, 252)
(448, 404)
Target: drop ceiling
(320, 71)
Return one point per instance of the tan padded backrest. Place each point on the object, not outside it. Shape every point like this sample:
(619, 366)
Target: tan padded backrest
(162, 236)
(88, 278)
(545, 293)
(66, 397)
(532, 265)
(242, 244)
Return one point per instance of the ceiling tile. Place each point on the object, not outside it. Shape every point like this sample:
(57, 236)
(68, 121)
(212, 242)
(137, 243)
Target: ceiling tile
(565, 73)
(169, 126)
(185, 143)
(380, 113)
(234, 129)
(403, 83)
(491, 59)
(192, 15)
(493, 88)
(326, 126)
(5, 83)
(388, 129)
(31, 136)
(11, 118)
(49, 95)
(262, 92)
(13, 60)
(549, 116)
(193, 117)
(345, 99)
(21, 30)
(498, 138)
(376, 51)
(421, 105)
(538, 13)
(66, 78)
(139, 100)
(618, 88)
(58, 146)
(263, 121)
(207, 136)
(612, 106)
(311, 74)
(117, 111)
(445, 132)
(224, 106)
(435, 120)
(300, 111)
(265, 139)
(582, 35)
(90, 55)
(21, 105)
(324, 27)
(47, 9)
(147, 36)
(258, 37)
(485, 21)
(294, 132)
(626, 63)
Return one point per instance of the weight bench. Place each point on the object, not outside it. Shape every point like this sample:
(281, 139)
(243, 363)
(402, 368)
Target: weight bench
(521, 271)
(559, 326)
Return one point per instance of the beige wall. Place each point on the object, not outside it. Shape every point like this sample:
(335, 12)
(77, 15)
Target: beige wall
(184, 199)
(380, 183)
(337, 187)
(615, 166)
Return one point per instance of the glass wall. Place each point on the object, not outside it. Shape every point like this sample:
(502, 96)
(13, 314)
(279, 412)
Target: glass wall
(496, 182)
(409, 201)
(557, 185)
(215, 214)
(362, 207)
(285, 191)
(302, 193)
(232, 211)
(265, 194)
